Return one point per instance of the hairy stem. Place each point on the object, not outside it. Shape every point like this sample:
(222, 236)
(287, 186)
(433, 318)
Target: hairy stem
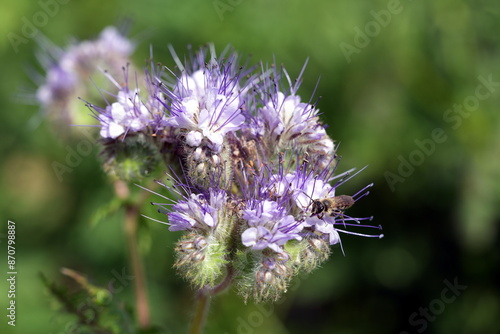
(204, 294)
(203, 300)
(200, 316)
(224, 284)
(131, 222)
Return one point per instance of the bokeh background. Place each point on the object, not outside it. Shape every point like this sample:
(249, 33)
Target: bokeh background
(379, 95)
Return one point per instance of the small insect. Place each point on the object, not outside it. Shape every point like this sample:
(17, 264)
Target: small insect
(331, 205)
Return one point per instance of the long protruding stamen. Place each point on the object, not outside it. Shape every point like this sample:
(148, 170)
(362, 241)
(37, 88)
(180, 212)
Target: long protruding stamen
(358, 225)
(356, 197)
(349, 218)
(156, 220)
(176, 58)
(347, 177)
(151, 191)
(380, 236)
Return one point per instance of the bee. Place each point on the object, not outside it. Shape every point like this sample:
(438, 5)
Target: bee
(331, 205)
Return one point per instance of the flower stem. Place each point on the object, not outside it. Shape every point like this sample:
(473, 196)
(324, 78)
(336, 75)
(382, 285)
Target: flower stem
(141, 297)
(200, 316)
(224, 284)
(203, 300)
(131, 220)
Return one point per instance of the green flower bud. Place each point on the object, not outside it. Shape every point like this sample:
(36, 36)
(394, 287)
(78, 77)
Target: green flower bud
(308, 254)
(268, 279)
(200, 259)
(130, 158)
(207, 168)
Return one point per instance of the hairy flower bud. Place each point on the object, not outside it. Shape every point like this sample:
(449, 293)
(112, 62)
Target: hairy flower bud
(200, 259)
(208, 168)
(267, 279)
(203, 253)
(130, 158)
(308, 254)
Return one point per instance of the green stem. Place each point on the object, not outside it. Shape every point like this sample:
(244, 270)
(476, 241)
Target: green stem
(224, 284)
(131, 224)
(200, 316)
(142, 304)
(203, 301)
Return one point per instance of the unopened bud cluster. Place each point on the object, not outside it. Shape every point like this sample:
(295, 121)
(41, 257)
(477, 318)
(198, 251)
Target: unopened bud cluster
(248, 162)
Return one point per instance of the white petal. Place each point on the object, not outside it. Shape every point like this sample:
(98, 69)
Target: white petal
(118, 112)
(249, 237)
(216, 140)
(209, 220)
(194, 138)
(115, 130)
(191, 106)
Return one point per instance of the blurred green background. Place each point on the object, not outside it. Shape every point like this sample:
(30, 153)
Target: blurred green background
(386, 86)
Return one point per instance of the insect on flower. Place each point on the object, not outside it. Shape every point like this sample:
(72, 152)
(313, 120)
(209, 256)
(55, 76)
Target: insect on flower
(336, 205)
(331, 205)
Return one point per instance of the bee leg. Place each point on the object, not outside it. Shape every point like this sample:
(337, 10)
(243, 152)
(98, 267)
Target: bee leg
(339, 213)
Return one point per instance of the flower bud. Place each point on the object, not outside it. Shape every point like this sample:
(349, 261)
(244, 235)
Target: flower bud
(130, 158)
(308, 254)
(207, 168)
(267, 281)
(200, 259)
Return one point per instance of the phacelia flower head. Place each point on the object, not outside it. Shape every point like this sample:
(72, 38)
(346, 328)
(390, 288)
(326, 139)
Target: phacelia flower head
(128, 113)
(68, 72)
(256, 194)
(207, 99)
(199, 212)
(259, 191)
(131, 110)
(209, 218)
(129, 124)
(288, 122)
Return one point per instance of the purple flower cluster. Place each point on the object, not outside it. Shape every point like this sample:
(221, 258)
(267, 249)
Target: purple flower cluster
(253, 167)
(254, 158)
(206, 103)
(130, 114)
(197, 212)
(269, 227)
(68, 71)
